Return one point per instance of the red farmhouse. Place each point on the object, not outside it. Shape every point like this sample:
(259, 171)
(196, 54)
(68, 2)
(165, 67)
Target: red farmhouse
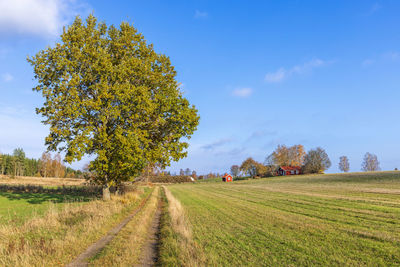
(289, 170)
(227, 178)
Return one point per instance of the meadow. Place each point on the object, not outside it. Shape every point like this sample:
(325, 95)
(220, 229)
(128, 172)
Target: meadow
(308, 220)
(16, 208)
(332, 219)
(51, 229)
(47, 181)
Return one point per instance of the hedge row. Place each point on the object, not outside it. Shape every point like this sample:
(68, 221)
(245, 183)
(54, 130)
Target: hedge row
(167, 179)
(87, 190)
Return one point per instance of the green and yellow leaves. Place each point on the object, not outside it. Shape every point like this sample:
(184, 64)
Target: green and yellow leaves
(108, 93)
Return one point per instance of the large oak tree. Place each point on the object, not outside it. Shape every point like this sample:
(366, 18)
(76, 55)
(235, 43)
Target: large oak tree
(108, 93)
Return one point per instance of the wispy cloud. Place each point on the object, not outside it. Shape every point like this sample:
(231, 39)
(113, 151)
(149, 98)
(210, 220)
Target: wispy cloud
(272, 144)
(393, 55)
(200, 14)
(260, 134)
(242, 92)
(374, 8)
(282, 74)
(367, 62)
(7, 77)
(216, 144)
(37, 17)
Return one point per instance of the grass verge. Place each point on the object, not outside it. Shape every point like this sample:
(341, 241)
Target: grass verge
(61, 234)
(177, 247)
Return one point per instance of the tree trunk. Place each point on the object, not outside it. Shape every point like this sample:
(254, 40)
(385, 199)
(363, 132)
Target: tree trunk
(106, 192)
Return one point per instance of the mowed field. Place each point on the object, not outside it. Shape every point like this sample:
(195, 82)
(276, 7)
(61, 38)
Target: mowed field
(332, 219)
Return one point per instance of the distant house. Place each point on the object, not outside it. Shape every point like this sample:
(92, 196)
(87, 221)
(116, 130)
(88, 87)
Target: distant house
(288, 170)
(227, 178)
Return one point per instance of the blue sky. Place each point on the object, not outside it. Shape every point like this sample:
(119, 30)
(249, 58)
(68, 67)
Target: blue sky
(261, 73)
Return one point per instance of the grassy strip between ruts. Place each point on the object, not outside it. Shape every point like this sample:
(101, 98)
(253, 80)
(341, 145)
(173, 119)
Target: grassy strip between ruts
(124, 249)
(176, 248)
(60, 235)
(318, 220)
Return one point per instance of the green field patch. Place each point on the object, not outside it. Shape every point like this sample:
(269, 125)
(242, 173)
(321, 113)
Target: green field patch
(16, 208)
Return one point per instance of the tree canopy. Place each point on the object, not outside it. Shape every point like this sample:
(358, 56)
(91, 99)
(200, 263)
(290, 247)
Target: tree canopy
(252, 168)
(286, 156)
(344, 164)
(316, 161)
(370, 163)
(108, 93)
(235, 170)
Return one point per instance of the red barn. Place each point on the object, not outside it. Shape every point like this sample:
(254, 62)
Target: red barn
(289, 170)
(227, 178)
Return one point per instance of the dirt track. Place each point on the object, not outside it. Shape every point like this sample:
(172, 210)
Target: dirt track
(149, 254)
(92, 250)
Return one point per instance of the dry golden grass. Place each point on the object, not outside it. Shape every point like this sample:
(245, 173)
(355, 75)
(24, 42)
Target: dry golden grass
(59, 236)
(125, 248)
(51, 181)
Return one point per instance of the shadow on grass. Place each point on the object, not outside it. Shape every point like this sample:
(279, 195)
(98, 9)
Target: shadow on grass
(39, 198)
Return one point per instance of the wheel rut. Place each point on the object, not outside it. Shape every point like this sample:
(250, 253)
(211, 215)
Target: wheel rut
(92, 250)
(150, 252)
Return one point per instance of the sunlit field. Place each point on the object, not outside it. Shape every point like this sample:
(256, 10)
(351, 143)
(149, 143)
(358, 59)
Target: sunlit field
(16, 208)
(335, 219)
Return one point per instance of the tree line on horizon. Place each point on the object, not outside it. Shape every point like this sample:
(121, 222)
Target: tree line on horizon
(314, 161)
(17, 164)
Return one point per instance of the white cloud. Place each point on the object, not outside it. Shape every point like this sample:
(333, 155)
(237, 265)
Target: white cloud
(7, 77)
(277, 76)
(200, 14)
(242, 92)
(282, 73)
(36, 17)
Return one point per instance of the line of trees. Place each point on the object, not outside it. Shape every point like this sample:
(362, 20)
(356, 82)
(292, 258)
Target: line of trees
(17, 164)
(314, 161)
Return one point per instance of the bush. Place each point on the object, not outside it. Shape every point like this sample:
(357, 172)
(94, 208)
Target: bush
(240, 178)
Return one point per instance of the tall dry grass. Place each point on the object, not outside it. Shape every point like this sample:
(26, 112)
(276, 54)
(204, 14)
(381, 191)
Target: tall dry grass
(40, 180)
(56, 238)
(177, 244)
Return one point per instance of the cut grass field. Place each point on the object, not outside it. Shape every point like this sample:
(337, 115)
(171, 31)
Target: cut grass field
(332, 219)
